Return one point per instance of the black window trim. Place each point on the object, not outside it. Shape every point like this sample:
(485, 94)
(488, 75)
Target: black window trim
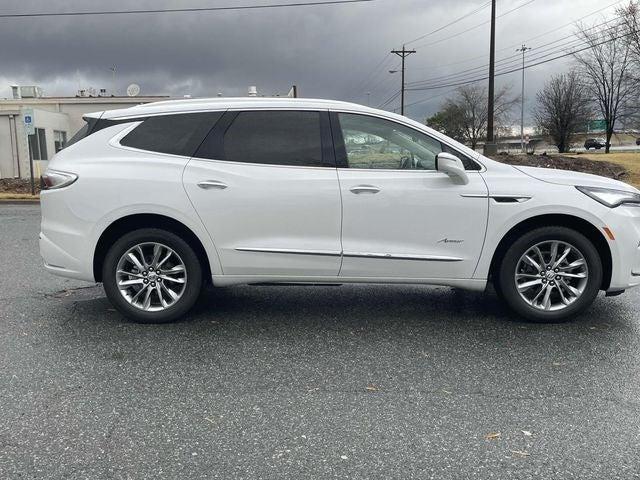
(212, 147)
(341, 151)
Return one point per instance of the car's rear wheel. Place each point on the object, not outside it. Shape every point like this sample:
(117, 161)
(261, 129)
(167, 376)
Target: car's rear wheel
(152, 276)
(550, 274)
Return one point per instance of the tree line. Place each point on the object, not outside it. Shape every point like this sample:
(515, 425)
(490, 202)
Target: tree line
(604, 81)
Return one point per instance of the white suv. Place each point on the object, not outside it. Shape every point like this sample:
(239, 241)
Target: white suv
(156, 200)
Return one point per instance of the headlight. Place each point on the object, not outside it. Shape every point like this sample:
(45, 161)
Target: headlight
(610, 197)
(52, 179)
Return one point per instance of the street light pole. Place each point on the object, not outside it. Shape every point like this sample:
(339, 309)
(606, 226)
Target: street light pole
(404, 53)
(522, 49)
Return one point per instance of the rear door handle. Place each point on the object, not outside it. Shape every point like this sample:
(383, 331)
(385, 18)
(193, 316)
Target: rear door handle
(358, 189)
(209, 184)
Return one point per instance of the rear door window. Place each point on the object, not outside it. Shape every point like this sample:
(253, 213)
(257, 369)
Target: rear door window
(178, 134)
(276, 138)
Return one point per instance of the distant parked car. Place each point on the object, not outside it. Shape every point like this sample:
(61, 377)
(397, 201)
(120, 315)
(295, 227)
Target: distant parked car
(596, 143)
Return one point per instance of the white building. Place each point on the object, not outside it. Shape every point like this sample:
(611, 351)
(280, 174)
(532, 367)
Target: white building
(55, 119)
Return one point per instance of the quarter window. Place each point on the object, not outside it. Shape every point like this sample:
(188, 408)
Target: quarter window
(178, 134)
(275, 137)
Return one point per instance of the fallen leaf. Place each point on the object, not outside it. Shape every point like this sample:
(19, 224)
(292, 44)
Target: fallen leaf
(521, 453)
(492, 435)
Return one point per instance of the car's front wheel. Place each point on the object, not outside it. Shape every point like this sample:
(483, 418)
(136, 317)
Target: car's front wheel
(152, 276)
(550, 274)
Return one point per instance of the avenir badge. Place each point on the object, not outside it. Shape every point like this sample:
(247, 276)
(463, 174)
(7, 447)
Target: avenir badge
(449, 240)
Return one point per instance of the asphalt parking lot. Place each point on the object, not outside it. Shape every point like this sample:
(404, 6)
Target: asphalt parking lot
(308, 382)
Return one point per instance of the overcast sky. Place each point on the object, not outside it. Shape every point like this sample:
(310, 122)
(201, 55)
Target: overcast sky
(328, 51)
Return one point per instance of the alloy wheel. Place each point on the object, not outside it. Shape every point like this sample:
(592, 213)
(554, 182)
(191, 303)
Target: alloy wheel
(151, 276)
(551, 275)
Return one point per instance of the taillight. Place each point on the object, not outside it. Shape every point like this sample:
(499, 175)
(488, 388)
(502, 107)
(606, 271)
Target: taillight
(52, 179)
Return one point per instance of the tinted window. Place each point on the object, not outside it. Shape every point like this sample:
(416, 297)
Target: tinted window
(83, 132)
(280, 138)
(179, 134)
(92, 126)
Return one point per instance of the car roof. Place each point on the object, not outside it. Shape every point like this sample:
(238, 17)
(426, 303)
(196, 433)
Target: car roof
(219, 103)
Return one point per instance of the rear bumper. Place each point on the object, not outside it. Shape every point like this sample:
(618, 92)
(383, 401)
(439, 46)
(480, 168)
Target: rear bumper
(64, 239)
(59, 262)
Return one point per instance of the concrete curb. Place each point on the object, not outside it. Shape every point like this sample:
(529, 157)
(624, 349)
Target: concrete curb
(19, 201)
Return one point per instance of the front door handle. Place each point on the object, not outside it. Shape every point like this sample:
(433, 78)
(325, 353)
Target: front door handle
(358, 189)
(208, 184)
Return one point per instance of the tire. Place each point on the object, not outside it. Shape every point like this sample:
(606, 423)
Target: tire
(562, 303)
(180, 273)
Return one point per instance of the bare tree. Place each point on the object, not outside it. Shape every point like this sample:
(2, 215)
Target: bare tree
(563, 106)
(465, 114)
(606, 67)
(630, 17)
(473, 102)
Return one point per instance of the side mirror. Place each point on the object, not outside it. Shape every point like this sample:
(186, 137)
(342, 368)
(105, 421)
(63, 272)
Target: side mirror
(452, 166)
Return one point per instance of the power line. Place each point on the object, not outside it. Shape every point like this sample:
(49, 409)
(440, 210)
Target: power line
(453, 22)
(513, 59)
(514, 45)
(531, 65)
(372, 74)
(389, 100)
(180, 10)
(373, 77)
(474, 27)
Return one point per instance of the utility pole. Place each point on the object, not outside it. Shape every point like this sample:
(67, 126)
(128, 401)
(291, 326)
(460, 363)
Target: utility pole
(404, 53)
(522, 49)
(113, 80)
(490, 148)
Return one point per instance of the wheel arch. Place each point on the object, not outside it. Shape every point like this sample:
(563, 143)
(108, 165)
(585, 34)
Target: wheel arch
(147, 220)
(561, 220)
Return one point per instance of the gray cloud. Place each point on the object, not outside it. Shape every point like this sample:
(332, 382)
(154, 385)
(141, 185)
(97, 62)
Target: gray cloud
(328, 51)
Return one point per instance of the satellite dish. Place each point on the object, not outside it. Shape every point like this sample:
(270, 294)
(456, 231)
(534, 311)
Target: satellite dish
(133, 90)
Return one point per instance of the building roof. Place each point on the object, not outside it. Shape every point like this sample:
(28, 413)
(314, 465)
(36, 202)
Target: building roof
(81, 100)
(220, 103)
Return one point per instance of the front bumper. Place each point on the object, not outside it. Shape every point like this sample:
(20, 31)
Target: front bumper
(624, 223)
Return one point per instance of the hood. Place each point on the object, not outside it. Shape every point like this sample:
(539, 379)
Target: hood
(571, 178)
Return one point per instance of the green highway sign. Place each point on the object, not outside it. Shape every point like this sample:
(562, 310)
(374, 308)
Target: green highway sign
(596, 125)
